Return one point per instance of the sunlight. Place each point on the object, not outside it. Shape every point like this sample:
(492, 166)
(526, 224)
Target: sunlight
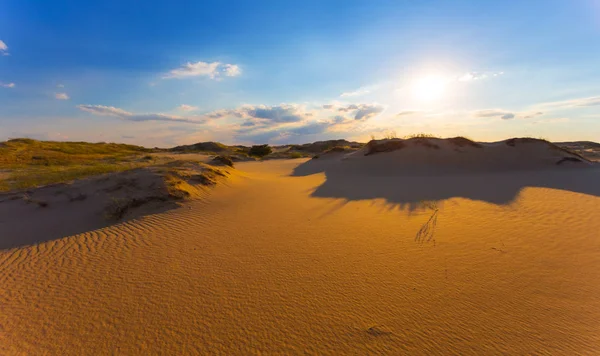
(429, 88)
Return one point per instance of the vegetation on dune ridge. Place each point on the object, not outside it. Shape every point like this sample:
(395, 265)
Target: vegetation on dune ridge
(31, 163)
(260, 150)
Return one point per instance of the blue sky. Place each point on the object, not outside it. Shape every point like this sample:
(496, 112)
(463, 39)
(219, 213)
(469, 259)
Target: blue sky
(166, 73)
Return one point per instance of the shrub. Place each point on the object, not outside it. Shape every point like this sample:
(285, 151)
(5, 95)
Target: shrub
(260, 150)
(223, 160)
(384, 146)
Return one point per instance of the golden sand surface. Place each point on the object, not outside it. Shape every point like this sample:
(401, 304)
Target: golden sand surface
(263, 266)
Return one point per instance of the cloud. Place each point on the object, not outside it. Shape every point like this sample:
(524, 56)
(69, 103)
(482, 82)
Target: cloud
(559, 120)
(532, 115)
(212, 70)
(358, 92)
(60, 86)
(362, 112)
(471, 76)
(232, 70)
(407, 113)
(126, 115)
(263, 114)
(187, 108)
(61, 96)
(581, 102)
(284, 113)
(7, 85)
(312, 128)
(3, 48)
(507, 115)
(495, 113)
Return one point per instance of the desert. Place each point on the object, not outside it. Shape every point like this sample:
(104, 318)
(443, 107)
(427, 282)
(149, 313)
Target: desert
(300, 177)
(401, 246)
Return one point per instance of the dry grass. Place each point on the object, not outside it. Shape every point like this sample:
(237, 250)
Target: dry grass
(384, 146)
(118, 207)
(427, 230)
(39, 176)
(420, 135)
(222, 160)
(32, 163)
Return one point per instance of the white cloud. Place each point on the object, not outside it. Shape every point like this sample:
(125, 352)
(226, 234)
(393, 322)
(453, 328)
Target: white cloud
(60, 86)
(7, 85)
(3, 48)
(580, 102)
(470, 76)
(232, 70)
(505, 115)
(558, 120)
(187, 108)
(357, 92)
(61, 96)
(102, 110)
(212, 70)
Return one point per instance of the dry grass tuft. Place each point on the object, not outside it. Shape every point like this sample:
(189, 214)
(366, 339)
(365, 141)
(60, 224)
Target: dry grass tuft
(223, 160)
(427, 231)
(384, 146)
(118, 207)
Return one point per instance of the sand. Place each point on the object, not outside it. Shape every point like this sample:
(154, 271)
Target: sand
(279, 260)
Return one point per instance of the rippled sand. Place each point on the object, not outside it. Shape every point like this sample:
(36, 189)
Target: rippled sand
(261, 266)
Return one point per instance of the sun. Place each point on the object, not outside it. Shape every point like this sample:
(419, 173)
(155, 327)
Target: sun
(429, 88)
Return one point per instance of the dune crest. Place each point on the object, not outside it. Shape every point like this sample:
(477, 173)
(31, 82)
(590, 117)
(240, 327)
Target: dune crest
(414, 170)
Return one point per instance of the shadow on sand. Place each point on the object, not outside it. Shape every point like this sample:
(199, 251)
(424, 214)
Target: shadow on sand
(38, 223)
(344, 180)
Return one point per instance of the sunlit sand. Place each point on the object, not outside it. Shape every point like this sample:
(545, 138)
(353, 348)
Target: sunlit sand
(344, 254)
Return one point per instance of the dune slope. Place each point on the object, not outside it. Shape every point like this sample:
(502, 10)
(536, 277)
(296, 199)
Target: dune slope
(263, 266)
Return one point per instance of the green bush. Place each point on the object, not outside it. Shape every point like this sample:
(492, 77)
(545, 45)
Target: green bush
(260, 150)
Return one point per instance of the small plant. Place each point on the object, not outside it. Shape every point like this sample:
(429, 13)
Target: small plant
(384, 146)
(426, 232)
(260, 150)
(296, 155)
(420, 135)
(223, 160)
(391, 134)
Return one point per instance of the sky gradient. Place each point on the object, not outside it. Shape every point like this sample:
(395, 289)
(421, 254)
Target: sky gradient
(166, 74)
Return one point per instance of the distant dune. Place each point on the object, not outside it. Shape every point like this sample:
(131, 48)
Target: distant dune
(435, 156)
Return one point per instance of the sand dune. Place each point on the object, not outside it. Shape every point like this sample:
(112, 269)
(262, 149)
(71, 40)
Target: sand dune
(308, 257)
(424, 169)
(60, 210)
